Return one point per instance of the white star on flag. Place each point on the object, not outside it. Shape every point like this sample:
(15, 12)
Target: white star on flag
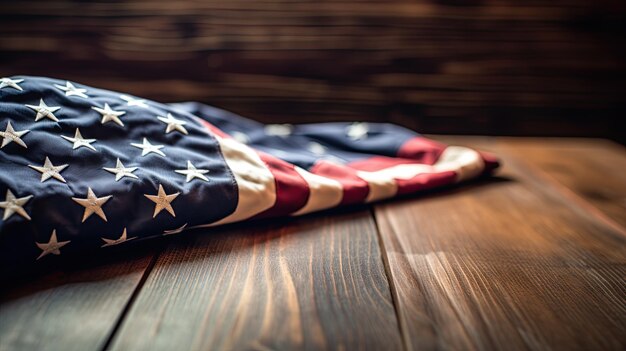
(11, 83)
(121, 239)
(78, 141)
(44, 111)
(11, 134)
(317, 148)
(279, 129)
(110, 115)
(192, 172)
(93, 204)
(12, 205)
(131, 101)
(70, 90)
(162, 201)
(52, 246)
(357, 130)
(147, 148)
(48, 170)
(173, 124)
(120, 171)
(240, 137)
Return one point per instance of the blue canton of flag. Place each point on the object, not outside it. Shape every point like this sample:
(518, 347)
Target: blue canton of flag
(84, 167)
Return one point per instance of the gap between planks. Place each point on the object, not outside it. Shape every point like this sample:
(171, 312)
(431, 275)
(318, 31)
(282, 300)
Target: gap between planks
(239, 287)
(133, 296)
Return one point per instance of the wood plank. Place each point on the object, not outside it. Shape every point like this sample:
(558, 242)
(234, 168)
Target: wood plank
(437, 66)
(504, 264)
(73, 304)
(593, 170)
(314, 283)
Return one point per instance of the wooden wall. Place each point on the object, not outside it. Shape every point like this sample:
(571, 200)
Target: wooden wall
(531, 67)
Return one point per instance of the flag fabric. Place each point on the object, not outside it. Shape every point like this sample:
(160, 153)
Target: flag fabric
(84, 169)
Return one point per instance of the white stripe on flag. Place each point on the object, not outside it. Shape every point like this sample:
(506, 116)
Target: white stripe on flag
(466, 162)
(382, 183)
(323, 192)
(255, 182)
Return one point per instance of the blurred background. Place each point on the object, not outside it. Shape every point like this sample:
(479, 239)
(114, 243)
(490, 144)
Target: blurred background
(491, 67)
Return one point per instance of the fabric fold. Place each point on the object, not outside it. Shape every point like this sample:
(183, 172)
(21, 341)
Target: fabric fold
(85, 169)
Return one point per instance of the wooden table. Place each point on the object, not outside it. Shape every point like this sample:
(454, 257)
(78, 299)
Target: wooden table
(534, 258)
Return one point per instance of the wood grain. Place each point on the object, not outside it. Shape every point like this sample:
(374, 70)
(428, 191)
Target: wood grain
(517, 262)
(440, 66)
(504, 264)
(314, 283)
(70, 305)
(593, 170)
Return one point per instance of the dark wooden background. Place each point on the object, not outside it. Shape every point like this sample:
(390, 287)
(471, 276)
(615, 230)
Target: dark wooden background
(512, 67)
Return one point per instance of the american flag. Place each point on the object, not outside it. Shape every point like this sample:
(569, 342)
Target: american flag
(83, 168)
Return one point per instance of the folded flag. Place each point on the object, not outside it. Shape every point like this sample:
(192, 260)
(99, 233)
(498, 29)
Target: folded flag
(84, 168)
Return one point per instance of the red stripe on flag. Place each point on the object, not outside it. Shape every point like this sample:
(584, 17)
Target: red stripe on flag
(421, 181)
(421, 150)
(213, 129)
(292, 191)
(355, 189)
(491, 162)
(425, 181)
(377, 163)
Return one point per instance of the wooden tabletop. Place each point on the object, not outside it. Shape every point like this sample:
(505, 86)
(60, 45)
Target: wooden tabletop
(534, 258)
